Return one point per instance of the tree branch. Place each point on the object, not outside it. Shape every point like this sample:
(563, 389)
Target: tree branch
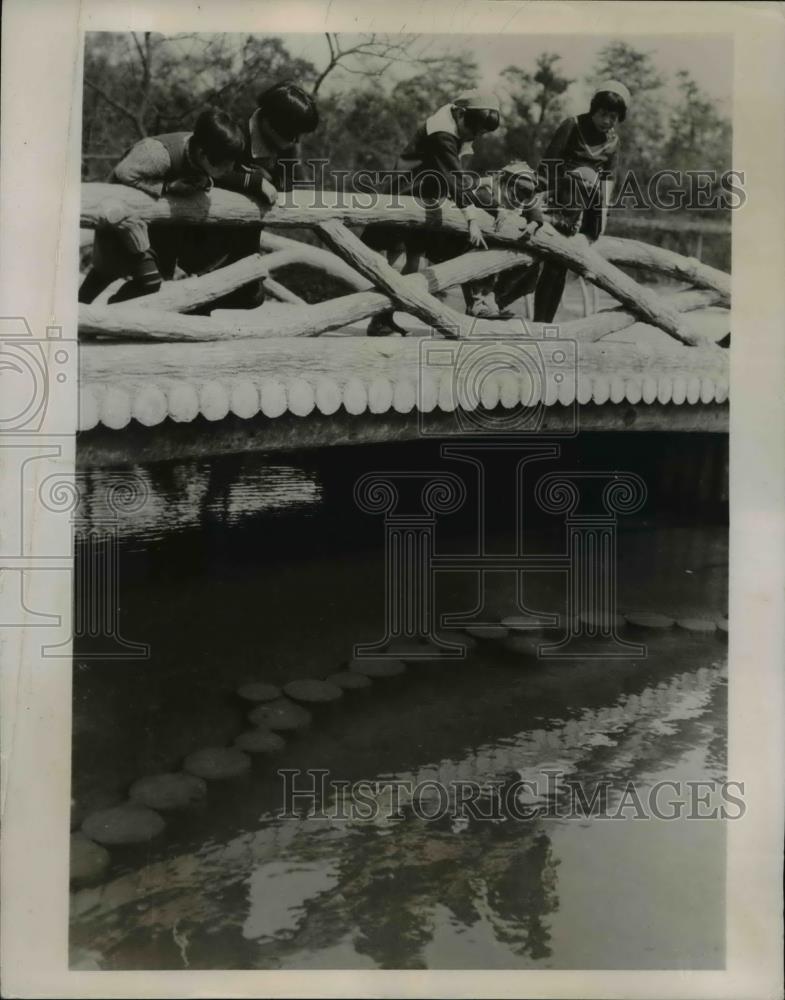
(133, 118)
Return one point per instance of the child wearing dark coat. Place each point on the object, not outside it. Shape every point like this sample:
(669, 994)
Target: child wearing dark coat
(271, 148)
(577, 172)
(434, 170)
(258, 160)
(173, 163)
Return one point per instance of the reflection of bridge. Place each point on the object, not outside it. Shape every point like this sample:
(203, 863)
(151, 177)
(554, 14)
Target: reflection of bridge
(337, 891)
(178, 384)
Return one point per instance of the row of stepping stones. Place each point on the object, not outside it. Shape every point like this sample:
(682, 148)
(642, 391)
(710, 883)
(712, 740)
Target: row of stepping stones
(283, 710)
(276, 711)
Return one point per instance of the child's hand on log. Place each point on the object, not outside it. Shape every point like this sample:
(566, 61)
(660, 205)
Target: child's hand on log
(508, 222)
(476, 237)
(269, 193)
(180, 186)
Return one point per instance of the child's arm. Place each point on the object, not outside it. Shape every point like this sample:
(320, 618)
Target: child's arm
(554, 155)
(253, 181)
(443, 153)
(609, 176)
(144, 167)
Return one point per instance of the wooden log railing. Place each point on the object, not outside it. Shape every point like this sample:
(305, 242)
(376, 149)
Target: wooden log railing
(283, 365)
(307, 208)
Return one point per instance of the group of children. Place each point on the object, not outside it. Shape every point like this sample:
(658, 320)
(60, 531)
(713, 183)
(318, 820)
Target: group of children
(570, 190)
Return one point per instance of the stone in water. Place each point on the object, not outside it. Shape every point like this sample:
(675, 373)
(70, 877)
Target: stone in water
(648, 619)
(259, 691)
(260, 741)
(697, 624)
(88, 860)
(125, 824)
(313, 691)
(488, 631)
(282, 715)
(167, 791)
(348, 681)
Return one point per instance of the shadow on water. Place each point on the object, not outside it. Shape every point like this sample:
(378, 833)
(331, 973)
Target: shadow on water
(241, 569)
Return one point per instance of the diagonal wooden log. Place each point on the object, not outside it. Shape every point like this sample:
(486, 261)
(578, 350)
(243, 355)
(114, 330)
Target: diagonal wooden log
(633, 253)
(200, 290)
(316, 257)
(406, 295)
(577, 255)
(592, 328)
(280, 292)
(128, 321)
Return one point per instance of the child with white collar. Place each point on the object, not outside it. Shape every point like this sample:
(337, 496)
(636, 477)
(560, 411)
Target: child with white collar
(435, 171)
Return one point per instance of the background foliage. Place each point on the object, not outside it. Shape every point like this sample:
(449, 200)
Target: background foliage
(374, 91)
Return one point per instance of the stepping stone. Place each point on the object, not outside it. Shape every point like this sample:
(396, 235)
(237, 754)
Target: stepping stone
(217, 763)
(88, 860)
(601, 621)
(167, 791)
(125, 824)
(488, 631)
(313, 692)
(260, 741)
(722, 625)
(281, 715)
(259, 691)
(521, 623)
(377, 668)
(98, 799)
(697, 624)
(412, 650)
(648, 619)
(348, 681)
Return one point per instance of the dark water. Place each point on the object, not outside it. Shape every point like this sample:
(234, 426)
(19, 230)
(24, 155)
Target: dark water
(242, 569)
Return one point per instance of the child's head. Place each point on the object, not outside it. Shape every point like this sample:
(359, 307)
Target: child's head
(517, 185)
(475, 114)
(609, 105)
(286, 112)
(217, 142)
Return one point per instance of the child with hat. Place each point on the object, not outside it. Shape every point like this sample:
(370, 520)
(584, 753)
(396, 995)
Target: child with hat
(577, 172)
(433, 167)
(284, 113)
(510, 195)
(172, 163)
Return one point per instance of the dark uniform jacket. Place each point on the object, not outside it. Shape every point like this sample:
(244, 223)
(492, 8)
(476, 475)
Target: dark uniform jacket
(259, 160)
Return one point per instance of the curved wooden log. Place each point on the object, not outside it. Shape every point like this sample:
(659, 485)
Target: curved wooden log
(125, 321)
(405, 294)
(152, 382)
(316, 257)
(190, 293)
(201, 289)
(633, 253)
(577, 255)
(300, 208)
(281, 293)
(598, 325)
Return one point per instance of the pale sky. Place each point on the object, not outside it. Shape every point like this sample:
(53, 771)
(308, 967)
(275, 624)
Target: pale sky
(709, 58)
